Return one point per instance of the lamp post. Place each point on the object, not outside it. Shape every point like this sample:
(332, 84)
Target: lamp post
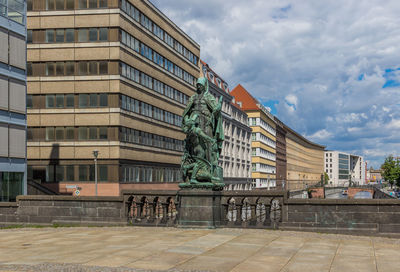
(95, 154)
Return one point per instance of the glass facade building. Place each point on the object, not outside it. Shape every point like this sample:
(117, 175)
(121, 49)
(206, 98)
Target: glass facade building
(12, 99)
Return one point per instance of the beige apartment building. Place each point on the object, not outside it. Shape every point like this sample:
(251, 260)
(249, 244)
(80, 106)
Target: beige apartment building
(112, 76)
(305, 161)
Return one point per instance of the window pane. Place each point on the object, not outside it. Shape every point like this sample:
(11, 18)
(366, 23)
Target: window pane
(69, 171)
(50, 101)
(70, 4)
(93, 34)
(83, 172)
(93, 100)
(49, 133)
(83, 70)
(93, 133)
(60, 101)
(69, 68)
(49, 69)
(49, 35)
(92, 3)
(49, 4)
(103, 100)
(59, 173)
(93, 68)
(69, 100)
(69, 133)
(69, 35)
(103, 173)
(83, 100)
(82, 35)
(102, 3)
(103, 67)
(103, 34)
(82, 4)
(29, 36)
(29, 5)
(103, 133)
(59, 133)
(59, 68)
(29, 103)
(59, 4)
(83, 133)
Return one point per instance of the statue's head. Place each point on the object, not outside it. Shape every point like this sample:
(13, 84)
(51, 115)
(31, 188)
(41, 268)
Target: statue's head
(202, 85)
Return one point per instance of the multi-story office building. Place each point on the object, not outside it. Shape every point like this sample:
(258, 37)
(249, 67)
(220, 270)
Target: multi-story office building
(235, 156)
(12, 99)
(112, 76)
(305, 161)
(263, 146)
(342, 167)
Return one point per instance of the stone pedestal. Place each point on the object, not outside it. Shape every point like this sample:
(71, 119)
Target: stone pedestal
(199, 208)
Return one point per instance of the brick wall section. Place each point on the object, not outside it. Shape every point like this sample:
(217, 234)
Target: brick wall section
(345, 216)
(69, 210)
(352, 191)
(317, 192)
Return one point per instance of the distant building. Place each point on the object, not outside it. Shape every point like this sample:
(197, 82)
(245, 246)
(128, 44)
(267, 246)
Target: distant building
(12, 99)
(374, 175)
(342, 167)
(281, 161)
(305, 161)
(263, 137)
(235, 155)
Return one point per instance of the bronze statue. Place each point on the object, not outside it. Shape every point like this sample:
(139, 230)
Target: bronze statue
(202, 124)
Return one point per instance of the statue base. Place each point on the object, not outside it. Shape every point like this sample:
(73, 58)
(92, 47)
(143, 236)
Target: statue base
(199, 207)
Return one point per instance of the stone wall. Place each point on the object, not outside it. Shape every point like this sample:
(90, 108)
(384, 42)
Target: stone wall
(345, 216)
(238, 209)
(69, 210)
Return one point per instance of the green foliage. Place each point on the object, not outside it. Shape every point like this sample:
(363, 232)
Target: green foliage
(391, 170)
(326, 178)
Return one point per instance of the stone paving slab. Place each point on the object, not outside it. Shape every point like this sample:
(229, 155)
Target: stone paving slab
(172, 249)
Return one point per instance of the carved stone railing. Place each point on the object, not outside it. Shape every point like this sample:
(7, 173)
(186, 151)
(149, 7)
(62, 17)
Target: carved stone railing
(252, 209)
(154, 208)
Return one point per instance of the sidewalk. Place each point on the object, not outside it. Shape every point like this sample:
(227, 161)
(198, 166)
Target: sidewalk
(160, 249)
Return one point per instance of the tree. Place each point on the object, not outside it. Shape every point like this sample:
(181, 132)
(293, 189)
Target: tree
(391, 170)
(326, 178)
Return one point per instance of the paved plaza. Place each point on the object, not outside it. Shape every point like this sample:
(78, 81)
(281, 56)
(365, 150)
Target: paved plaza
(160, 249)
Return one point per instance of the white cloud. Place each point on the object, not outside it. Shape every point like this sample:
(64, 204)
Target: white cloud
(327, 59)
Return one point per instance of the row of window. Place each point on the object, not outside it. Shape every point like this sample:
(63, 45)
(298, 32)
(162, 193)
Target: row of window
(263, 124)
(68, 133)
(59, 173)
(68, 100)
(68, 68)
(138, 16)
(263, 153)
(152, 83)
(149, 174)
(257, 136)
(69, 4)
(134, 105)
(70, 35)
(261, 167)
(155, 57)
(140, 137)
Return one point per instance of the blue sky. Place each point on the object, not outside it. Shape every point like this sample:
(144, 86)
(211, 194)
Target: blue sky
(328, 69)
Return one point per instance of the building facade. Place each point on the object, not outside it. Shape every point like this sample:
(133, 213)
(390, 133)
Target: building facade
(235, 156)
(12, 99)
(112, 76)
(263, 139)
(342, 167)
(281, 162)
(305, 161)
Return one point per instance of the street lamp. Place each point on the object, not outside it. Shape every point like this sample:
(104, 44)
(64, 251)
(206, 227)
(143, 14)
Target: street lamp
(95, 154)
